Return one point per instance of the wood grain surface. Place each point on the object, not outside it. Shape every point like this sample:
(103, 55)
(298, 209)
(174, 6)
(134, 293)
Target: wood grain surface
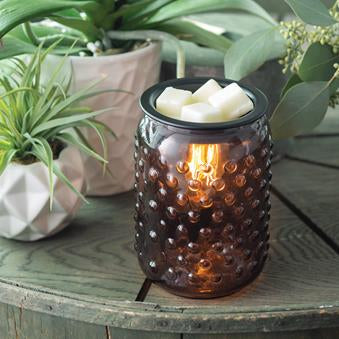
(84, 282)
(16, 323)
(325, 152)
(314, 190)
(300, 265)
(93, 258)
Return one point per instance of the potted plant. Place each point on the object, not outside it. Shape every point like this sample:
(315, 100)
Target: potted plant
(110, 36)
(41, 171)
(310, 62)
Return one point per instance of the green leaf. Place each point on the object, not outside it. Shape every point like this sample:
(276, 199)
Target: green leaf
(66, 121)
(47, 32)
(84, 26)
(5, 158)
(249, 53)
(56, 170)
(157, 36)
(317, 63)
(301, 109)
(69, 139)
(312, 12)
(189, 31)
(42, 147)
(15, 12)
(240, 23)
(292, 81)
(195, 55)
(10, 46)
(137, 12)
(187, 7)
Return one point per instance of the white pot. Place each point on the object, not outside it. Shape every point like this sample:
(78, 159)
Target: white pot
(134, 72)
(25, 212)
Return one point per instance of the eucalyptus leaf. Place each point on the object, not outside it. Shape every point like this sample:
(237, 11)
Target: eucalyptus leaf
(317, 63)
(312, 12)
(301, 109)
(249, 53)
(292, 81)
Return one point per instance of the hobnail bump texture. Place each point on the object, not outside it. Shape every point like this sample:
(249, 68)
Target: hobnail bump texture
(197, 239)
(25, 212)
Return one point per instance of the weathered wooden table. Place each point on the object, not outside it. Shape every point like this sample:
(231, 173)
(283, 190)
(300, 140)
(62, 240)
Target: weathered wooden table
(86, 283)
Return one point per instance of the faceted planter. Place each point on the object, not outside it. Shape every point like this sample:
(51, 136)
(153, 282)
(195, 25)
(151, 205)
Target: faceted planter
(134, 72)
(203, 197)
(25, 212)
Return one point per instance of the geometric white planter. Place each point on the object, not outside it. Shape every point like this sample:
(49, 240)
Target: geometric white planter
(25, 198)
(133, 71)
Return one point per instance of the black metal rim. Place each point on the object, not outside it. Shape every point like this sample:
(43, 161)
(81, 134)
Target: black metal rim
(148, 98)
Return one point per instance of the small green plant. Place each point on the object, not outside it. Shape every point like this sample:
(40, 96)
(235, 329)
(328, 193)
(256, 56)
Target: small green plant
(38, 119)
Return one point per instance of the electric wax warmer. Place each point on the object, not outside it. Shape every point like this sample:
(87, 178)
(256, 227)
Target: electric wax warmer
(203, 195)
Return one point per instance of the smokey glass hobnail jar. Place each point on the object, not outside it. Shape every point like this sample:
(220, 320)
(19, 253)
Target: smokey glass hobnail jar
(203, 197)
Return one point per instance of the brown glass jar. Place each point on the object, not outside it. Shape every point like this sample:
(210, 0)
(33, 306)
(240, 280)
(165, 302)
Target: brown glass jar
(203, 195)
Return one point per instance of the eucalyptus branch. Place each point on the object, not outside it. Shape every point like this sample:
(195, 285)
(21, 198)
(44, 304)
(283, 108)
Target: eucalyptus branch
(154, 35)
(30, 34)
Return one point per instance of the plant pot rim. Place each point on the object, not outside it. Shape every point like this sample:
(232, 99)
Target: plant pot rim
(38, 163)
(116, 57)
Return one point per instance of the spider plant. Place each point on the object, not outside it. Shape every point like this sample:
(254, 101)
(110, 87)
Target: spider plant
(112, 26)
(38, 119)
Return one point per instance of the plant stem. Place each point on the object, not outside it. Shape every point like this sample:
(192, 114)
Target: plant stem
(154, 35)
(30, 34)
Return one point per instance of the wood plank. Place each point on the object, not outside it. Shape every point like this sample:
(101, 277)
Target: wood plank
(18, 323)
(130, 334)
(322, 333)
(298, 290)
(314, 190)
(289, 283)
(15, 323)
(93, 258)
(323, 150)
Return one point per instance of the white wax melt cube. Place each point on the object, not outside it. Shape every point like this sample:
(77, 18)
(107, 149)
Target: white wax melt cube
(232, 101)
(205, 91)
(201, 112)
(171, 100)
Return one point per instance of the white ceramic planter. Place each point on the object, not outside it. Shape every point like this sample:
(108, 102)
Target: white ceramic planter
(133, 71)
(25, 198)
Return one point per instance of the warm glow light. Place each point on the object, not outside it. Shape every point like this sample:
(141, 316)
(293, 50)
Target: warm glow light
(204, 162)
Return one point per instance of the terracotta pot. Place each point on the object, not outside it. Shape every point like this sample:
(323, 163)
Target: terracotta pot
(25, 212)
